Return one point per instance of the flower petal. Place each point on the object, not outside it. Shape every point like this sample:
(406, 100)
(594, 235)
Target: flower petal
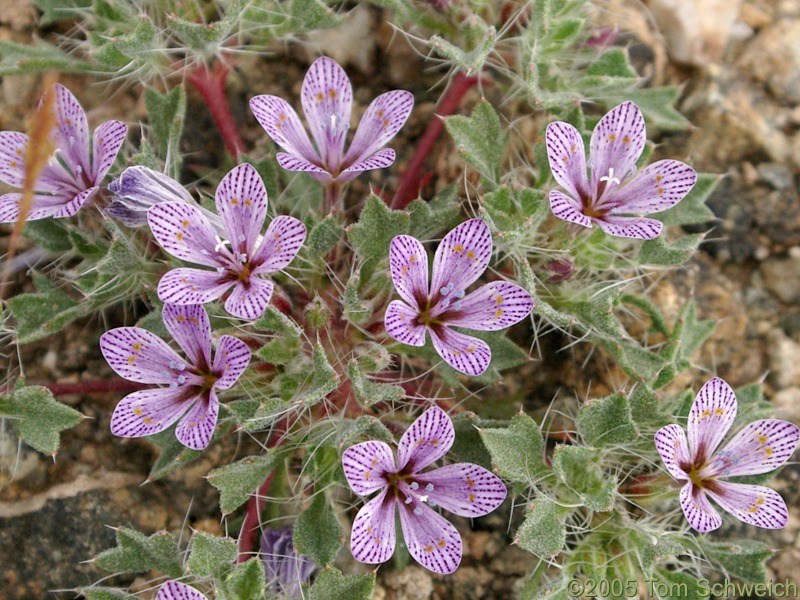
(760, 447)
(462, 256)
(139, 188)
(431, 539)
(281, 243)
(12, 158)
(400, 323)
(374, 536)
(9, 207)
(230, 361)
(108, 139)
(383, 118)
(183, 231)
(250, 301)
(658, 187)
(568, 209)
(139, 355)
(149, 411)
(631, 227)
(427, 440)
(173, 590)
(327, 98)
(241, 201)
(464, 353)
(464, 489)
(191, 286)
(380, 160)
(409, 265)
(292, 162)
(282, 124)
(753, 504)
(196, 428)
(698, 510)
(617, 143)
(189, 326)
(366, 465)
(494, 306)
(567, 157)
(71, 134)
(45, 205)
(672, 446)
(711, 416)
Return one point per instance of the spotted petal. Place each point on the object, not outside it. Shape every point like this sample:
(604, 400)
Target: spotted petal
(282, 124)
(189, 326)
(462, 256)
(174, 590)
(427, 440)
(753, 504)
(149, 411)
(281, 243)
(567, 157)
(139, 355)
(108, 139)
(431, 539)
(327, 99)
(191, 286)
(672, 446)
(400, 323)
(374, 537)
(698, 510)
(464, 489)
(710, 418)
(494, 306)
(657, 187)
(631, 227)
(464, 353)
(251, 300)
(292, 162)
(382, 120)
(183, 231)
(241, 201)
(568, 209)
(760, 447)
(12, 158)
(408, 262)
(380, 160)
(230, 361)
(71, 134)
(45, 205)
(197, 426)
(366, 465)
(617, 142)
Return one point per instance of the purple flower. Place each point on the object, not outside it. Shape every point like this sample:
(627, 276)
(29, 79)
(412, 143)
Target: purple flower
(73, 175)
(759, 447)
(613, 193)
(191, 393)
(460, 259)
(286, 569)
(327, 99)
(137, 190)
(464, 489)
(174, 590)
(240, 259)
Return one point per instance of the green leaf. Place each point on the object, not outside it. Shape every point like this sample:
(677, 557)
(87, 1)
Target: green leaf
(579, 468)
(288, 337)
(638, 363)
(542, 533)
(17, 59)
(607, 421)
(54, 11)
(138, 553)
(45, 312)
(246, 581)
(104, 593)
(364, 427)
(741, 558)
(317, 533)
(480, 140)
(356, 310)
(237, 481)
(370, 392)
(173, 454)
(613, 63)
(167, 113)
(50, 234)
(315, 14)
(517, 451)
(693, 209)
(324, 379)
(468, 445)
(323, 237)
(430, 218)
(484, 38)
(677, 585)
(660, 253)
(373, 233)
(211, 556)
(332, 585)
(38, 418)
(657, 104)
(257, 415)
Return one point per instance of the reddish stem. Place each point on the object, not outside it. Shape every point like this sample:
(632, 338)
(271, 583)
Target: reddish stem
(409, 186)
(211, 85)
(88, 387)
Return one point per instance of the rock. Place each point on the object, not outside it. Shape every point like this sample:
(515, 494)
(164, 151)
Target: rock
(778, 176)
(787, 404)
(773, 58)
(784, 359)
(338, 43)
(412, 583)
(782, 278)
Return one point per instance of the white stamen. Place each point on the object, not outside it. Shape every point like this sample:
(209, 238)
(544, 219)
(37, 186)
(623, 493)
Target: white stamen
(408, 500)
(414, 485)
(243, 257)
(220, 244)
(429, 487)
(432, 504)
(457, 306)
(460, 294)
(444, 291)
(610, 177)
(418, 511)
(241, 237)
(173, 385)
(181, 379)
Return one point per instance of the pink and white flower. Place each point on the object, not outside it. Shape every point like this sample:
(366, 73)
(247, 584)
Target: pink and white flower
(174, 590)
(191, 393)
(759, 447)
(464, 489)
(460, 259)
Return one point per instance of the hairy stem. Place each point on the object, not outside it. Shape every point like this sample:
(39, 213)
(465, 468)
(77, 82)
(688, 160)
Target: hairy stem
(211, 85)
(87, 387)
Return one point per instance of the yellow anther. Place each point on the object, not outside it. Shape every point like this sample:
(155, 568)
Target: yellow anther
(472, 497)
(366, 475)
(428, 548)
(136, 347)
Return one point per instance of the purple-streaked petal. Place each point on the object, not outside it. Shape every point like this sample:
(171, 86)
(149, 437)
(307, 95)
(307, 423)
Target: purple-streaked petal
(285, 569)
(656, 188)
(671, 444)
(374, 536)
(380, 160)
(139, 355)
(250, 301)
(462, 256)
(191, 286)
(9, 207)
(282, 124)
(711, 416)
(139, 188)
(568, 209)
(753, 504)
(71, 134)
(408, 262)
(241, 201)
(464, 489)
(197, 426)
(189, 326)
(174, 590)
(567, 157)
(760, 447)
(400, 323)
(494, 306)
(382, 120)
(327, 98)
(292, 162)
(281, 243)
(366, 465)
(230, 361)
(630, 227)
(108, 139)
(464, 353)
(12, 158)
(427, 440)
(431, 539)
(44, 205)
(617, 143)
(183, 231)
(698, 510)
(149, 411)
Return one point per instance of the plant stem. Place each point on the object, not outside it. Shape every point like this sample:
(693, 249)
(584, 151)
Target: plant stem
(211, 85)
(88, 387)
